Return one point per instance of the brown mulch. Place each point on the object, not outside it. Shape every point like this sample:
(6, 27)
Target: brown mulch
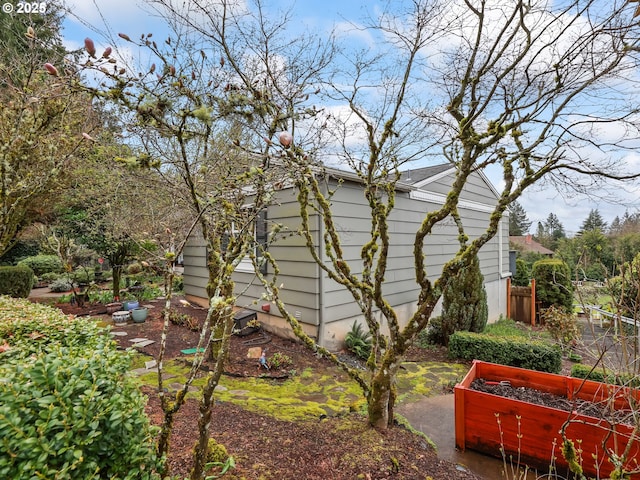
(267, 448)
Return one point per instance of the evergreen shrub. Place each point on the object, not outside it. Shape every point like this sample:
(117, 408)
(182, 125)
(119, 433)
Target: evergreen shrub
(49, 277)
(512, 351)
(522, 278)
(68, 408)
(16, 281)
(43, 264)
(434, 335)
(599, 374)
(464, 302)
(553, 283)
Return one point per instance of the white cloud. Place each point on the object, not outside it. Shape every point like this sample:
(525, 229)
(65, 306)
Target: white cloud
(356, 34)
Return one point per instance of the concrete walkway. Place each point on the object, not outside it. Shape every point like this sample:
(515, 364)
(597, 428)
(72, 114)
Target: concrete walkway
(434, 416)
(43, 293)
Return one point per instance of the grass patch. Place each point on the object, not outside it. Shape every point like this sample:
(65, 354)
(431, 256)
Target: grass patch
(505, 327)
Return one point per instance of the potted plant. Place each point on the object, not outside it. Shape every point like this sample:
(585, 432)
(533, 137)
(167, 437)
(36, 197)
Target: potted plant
(130, 304)
(139, 314)
(121, 317)
(497, 425)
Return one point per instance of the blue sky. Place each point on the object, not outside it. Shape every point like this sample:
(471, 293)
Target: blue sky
(96, 18)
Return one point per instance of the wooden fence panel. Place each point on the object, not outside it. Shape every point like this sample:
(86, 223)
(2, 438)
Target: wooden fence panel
(522, 304)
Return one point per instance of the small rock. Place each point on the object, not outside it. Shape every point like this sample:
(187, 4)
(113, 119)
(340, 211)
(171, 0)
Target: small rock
(254, 352)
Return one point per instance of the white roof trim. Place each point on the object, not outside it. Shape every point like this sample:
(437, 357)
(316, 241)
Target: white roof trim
(488, 182)
(440, 175)
(439, 199)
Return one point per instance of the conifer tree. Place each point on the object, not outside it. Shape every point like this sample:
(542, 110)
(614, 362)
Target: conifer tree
(518, 222)
(464, 302)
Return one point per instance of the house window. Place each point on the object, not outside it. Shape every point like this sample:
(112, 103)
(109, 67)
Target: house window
(260, 237)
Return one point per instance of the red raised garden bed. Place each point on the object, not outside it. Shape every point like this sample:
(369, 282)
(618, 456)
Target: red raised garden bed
(539, 426)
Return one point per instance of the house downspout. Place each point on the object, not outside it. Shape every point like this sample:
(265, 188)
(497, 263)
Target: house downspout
(503, 308)
(320, 282)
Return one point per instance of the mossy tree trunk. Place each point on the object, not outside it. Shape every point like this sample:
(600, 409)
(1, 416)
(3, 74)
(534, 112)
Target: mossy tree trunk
(222, 316)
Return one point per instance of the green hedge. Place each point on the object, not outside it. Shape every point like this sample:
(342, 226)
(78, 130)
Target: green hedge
(16, 281)
(43, 264)
(68, 407)
(605, 376)
(512, 351)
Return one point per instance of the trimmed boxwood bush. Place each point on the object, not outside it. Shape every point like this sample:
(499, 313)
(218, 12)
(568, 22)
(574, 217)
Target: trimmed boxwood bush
(43, 264)
(68, 408)
(16, 281)
(512, 351)
(605, 376)
(49, 277)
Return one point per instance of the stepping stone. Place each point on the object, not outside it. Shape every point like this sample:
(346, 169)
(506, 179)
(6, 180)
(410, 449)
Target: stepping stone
(140, 371)
(136, 340)
(119, 334)
(150, 364)
(220, 388)
(143, 343)
(240, 393)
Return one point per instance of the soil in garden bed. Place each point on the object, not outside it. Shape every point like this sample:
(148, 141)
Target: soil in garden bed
(537, 397)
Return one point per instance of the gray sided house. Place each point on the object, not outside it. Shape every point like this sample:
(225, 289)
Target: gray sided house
(326, 309)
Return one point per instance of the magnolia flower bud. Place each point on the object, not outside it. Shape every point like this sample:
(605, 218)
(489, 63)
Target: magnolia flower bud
(285, 139)
(90, 47)
(51, 70)
(107, 52)
(124, 36)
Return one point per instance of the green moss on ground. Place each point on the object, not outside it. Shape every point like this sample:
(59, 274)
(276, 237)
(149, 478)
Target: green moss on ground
(426, 379)
(311, 394)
